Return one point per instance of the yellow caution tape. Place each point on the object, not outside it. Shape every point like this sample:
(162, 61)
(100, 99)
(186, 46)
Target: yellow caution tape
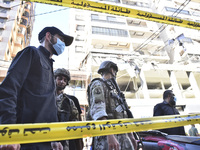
(121, 11)
(43, 132)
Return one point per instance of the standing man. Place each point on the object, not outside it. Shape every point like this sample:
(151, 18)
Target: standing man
(27, 94)
(193, 131)
(104, 105)
(167, 107)
(67, 106)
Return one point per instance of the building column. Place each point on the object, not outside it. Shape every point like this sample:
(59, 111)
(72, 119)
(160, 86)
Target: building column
(194, 85)
(135, 87)
(144, 85)
(175, 85)
(162, 85)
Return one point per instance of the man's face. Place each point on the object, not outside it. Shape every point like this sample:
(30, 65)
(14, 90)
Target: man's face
(54, 37)
(114, 72)
(171, 99)
(171, 95)
(61, 82)
(53, 41)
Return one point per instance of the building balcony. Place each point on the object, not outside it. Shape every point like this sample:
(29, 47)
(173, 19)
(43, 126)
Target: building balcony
(115, 44)
(171, 11)
(6, 6)
(158, 94)
(21, 29)
(139, 4)
(138, 39)
(4, 15)
(2, 26)
(16, 49)
(188, 93)
(24, 21)
(26, 13)
(27, 5)
(3, 71)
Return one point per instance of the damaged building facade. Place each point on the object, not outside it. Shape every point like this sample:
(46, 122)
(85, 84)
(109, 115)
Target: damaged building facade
(152, 57)
(16, 24)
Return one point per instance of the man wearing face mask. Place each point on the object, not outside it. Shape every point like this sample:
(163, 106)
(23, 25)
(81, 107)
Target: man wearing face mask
(167, 107)
(27, 94)
(104, 105)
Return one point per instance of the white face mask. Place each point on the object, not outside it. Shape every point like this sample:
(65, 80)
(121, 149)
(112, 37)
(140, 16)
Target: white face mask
(59, 46)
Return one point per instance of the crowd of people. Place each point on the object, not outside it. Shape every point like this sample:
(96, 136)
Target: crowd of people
(32, 92)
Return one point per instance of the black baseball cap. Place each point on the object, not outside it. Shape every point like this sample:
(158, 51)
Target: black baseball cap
(53, 30)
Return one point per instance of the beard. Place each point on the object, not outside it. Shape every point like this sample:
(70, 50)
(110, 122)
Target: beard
(52, 42)
(172, 102)
(59, 88)
(54, 52)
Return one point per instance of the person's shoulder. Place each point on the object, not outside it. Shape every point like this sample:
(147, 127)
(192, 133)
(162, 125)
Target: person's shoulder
(159, 104)
(158, 109)
(96, 81)
(64, 97)
(28, 49)
(71, 97)
(26, 52)
(32, 47)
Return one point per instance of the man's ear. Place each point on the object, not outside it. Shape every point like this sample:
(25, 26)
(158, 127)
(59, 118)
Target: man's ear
(111, 70)
(48, 36)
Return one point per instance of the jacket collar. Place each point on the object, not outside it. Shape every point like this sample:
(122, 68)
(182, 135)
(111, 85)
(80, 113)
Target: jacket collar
(45, 52)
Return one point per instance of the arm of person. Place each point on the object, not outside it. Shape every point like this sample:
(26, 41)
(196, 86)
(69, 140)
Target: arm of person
(134, 142)
(56, 146)
(112, 141)
(11, 86)
(196, 132)
(189, 132)
(10, 147)
(98, 110)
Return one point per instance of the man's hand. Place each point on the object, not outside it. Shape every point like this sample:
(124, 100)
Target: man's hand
(10, 147)
(56, 146)
(112, 142)
(134, 142)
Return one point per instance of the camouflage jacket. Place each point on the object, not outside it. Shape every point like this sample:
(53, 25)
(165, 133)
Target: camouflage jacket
(67, 110)
(102, 104)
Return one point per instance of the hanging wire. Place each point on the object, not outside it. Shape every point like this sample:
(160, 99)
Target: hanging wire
(49, 12)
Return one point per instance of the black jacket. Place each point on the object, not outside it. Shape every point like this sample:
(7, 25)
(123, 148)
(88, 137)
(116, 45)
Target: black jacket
(27, 94)
(163, 109)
